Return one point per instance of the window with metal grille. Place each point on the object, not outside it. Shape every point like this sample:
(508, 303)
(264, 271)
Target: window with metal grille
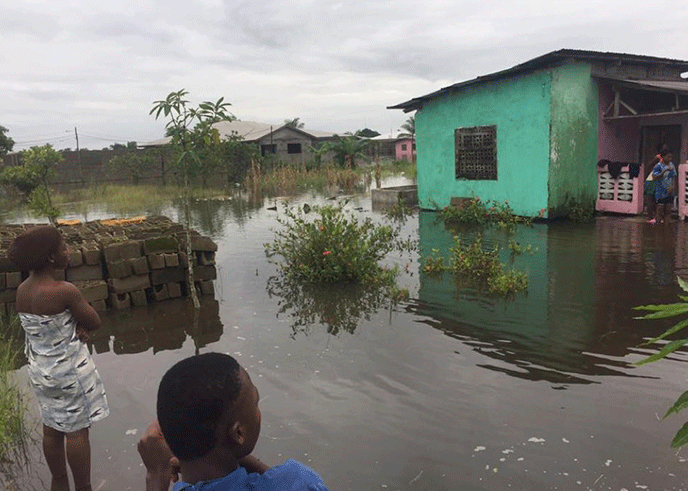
(268, 149)
(293, 148)
(476, 153)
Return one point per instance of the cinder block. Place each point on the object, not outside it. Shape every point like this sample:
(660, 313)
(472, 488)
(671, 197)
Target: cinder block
(167, 275)
(7, 296)
(86, 272)
(139, 265)
(59, 275)
(174, 290)
(99, 305)
(160, 293)
(5, 264)
(138, 298)
(183, 260)
(93, 290)
(75, 258)
(119, 301)
(171, 260)
(3, 281)
(204, 258)
(206, 287)
(201, 243)
(205, 273)
(118, 269)
(11, 308)
(91, 254)
(130, 284)
(160, 244)
(156, 261)
(13, 279)
(117, 251)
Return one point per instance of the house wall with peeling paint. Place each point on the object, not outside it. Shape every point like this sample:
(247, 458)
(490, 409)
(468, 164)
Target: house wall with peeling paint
(520, 109)
(573, 139)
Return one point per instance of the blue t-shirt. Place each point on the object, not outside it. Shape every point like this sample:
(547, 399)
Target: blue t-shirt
(665, 183)
(290, 476)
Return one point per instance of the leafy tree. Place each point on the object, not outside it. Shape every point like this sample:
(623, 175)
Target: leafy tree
(409, 128)
(236, 156)
(132, 163)
(192, 132)
(347, 149)
(6, 143)
(367, 133)
(294, 123)
(121, 146)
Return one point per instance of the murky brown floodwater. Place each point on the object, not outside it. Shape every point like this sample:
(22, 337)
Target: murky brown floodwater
(448, 391)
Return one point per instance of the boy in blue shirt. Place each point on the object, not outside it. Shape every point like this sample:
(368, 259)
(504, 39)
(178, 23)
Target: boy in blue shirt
(664, 173)
(208, 424)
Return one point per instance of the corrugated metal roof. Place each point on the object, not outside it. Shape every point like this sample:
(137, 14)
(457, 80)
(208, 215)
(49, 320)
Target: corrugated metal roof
(673, 86)
(545, 60)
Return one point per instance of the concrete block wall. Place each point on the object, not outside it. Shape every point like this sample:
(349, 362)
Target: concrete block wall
(121, 263)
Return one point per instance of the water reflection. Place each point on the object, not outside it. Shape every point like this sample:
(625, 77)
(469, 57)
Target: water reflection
(340, 308)
(571, 327)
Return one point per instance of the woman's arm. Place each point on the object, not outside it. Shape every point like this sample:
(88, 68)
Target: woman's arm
(253, 464)
(83, 313)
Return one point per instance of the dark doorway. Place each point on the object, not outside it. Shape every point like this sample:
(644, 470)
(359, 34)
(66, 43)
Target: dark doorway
(653, 136)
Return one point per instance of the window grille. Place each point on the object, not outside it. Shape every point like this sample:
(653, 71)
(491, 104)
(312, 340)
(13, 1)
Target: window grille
(476, 153)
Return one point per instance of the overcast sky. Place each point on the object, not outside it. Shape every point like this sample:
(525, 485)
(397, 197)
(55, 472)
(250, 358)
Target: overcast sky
(99, 65)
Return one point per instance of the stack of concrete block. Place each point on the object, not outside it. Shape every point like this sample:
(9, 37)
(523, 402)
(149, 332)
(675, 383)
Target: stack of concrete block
(203, 250)
(127, 271)
(167, 268)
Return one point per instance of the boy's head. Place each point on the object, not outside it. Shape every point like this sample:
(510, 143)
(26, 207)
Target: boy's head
(666, 155)
(38, 247)
(208, 401)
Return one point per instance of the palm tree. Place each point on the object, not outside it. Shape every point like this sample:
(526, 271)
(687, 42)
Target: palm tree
(409, 128)
(347, 149)
(294, 123)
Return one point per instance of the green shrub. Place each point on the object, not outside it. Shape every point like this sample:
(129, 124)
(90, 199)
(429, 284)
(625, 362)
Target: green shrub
(332, 247)
(476, 212)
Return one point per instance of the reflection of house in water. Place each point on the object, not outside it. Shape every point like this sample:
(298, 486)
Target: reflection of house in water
(552, 333)
(162, 326)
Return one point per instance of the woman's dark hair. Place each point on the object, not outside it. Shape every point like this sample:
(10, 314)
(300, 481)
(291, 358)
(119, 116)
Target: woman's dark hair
(192, 397)
(31, 250)
(664, 152)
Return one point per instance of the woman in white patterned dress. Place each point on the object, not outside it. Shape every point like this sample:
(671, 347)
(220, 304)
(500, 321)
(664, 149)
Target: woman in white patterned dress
(56, 319)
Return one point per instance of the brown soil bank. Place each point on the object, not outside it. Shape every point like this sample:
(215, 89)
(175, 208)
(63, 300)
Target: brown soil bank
(118, 263)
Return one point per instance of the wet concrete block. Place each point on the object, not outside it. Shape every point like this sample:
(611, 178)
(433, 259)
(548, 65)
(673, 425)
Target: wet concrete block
(11, 308)
(205, 258)
(3, 281)
(6, 265)
(138, 298)
(139, 265)
(174, 290)
(183, 260)
(206, 287)
(156, 261)
(8, 295)
(160, 245)
(160, 292)
(99, 305)
(171, 260)
(91, 254)
(167, 275)
(83, 273)
(75, 257)
(117, 251)
(130, 284)
(13, 279)
(201, 243)
(120, 301)
(118, 269)
(202, 273)
(93, 291)
(59, 275)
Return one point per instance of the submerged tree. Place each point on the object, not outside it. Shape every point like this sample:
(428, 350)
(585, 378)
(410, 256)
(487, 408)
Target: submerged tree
(192, 131)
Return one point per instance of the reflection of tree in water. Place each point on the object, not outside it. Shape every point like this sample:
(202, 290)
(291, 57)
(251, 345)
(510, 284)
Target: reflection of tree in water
(339, 307)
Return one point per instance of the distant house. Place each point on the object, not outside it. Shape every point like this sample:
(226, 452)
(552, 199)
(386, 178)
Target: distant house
(534, 133)
(393, 146)
(287, 143)
(405, 149)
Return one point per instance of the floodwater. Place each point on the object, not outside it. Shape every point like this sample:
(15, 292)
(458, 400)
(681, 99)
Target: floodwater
(450, 390)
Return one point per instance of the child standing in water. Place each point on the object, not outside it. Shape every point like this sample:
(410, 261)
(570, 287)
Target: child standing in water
(56, 319)
(664, 174)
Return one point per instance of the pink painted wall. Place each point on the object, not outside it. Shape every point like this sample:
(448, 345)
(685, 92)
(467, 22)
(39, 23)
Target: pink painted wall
(408, 154)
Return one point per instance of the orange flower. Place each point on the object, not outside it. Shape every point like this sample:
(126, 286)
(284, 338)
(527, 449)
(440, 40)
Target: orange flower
(327, 253)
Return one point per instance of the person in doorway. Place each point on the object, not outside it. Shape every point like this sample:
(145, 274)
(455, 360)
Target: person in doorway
(664, 175)
(650, 184)
(57, 318)
(208, 425)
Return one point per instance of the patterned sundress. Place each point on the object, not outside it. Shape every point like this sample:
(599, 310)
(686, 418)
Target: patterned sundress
(63, 375)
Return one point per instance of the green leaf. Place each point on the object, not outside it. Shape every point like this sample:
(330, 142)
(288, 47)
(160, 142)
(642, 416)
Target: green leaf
(675, 328)
(680, 404)
(668, 349)
(681, 437)
(682, 284)
(670, 311)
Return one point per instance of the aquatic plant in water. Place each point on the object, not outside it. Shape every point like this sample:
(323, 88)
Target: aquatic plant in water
(663, 311)
(473, 211)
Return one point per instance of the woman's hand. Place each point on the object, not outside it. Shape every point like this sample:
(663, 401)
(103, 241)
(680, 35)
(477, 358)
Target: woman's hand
(161, 466)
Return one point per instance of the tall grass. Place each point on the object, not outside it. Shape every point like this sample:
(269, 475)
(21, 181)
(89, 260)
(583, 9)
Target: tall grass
(15, 434)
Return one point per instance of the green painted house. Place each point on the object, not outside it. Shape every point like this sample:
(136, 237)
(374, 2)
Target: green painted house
(533, 134)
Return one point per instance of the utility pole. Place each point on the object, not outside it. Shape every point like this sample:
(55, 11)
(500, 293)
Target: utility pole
(78, 157)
